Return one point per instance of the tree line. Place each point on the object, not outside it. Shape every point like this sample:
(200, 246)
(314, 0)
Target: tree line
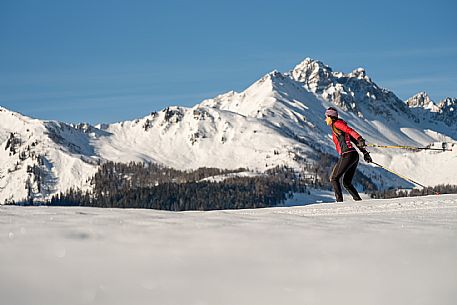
(396, 193)
(139, 185)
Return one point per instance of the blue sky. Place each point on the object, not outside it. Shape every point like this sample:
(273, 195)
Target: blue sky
(106, 61)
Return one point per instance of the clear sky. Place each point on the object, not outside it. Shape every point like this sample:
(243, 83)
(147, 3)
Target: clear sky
(106, 61)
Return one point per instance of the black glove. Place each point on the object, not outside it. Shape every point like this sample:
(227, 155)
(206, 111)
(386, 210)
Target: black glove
(367, 157)
(361, 143)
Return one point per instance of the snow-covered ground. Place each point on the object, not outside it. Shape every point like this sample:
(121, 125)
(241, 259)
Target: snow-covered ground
(318, 196)
(397, 251)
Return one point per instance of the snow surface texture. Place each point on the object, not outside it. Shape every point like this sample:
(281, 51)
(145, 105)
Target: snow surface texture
(396, 251)
(278, 120)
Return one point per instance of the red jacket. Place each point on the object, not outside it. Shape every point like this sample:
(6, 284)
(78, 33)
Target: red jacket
(343, 135)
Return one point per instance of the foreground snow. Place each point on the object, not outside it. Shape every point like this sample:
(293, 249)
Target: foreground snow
(400, 251)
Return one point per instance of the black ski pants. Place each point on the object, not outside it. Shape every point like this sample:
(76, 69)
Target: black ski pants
(346, 165)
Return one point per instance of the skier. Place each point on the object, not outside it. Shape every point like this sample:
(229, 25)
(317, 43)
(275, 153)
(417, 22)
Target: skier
(346, 166)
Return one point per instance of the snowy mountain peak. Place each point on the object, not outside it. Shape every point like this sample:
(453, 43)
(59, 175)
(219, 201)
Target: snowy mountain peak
(7, 114)
(16, 123)
(448, 111)
(449, 103)
(360, 73)
(312, 64)
(275, 74)
(267, 80)
(314, 74)
(428, 112)
(422, 100)
(354, 92)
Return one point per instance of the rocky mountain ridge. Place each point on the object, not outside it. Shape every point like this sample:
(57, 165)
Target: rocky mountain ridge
(428, 111)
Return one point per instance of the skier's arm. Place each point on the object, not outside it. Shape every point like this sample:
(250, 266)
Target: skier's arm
(355, 136)
(341, 125)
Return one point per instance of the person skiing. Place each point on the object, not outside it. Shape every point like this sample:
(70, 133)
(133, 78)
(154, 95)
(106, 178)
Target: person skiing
(343, 137)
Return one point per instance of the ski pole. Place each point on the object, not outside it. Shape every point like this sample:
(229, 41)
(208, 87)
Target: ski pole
(408, 147)
(401, 176)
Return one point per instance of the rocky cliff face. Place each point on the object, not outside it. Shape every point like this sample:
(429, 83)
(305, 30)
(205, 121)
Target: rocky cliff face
(354, 91)
(422, 100)
(427, 110)
(448, 111)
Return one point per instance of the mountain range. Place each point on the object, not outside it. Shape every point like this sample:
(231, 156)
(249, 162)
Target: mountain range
(278, 120)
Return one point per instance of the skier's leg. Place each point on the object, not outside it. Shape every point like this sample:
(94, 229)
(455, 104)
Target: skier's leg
(337, 172)
(347, 179)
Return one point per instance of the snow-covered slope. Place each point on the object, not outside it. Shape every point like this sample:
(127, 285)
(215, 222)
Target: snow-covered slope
(40, 158)
(377, 252)
(200, 136)
(278, 120)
